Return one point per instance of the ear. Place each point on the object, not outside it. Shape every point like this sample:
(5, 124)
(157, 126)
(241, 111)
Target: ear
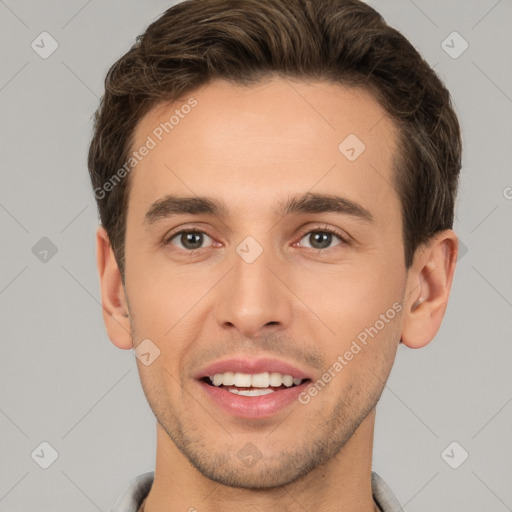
(114, 303)
(429, 282)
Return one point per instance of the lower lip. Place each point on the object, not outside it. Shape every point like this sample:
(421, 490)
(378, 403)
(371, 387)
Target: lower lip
(252, 407)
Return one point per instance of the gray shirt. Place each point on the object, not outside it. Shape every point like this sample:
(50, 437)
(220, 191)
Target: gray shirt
(138, 488)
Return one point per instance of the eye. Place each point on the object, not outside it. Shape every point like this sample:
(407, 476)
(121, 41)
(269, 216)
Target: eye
(188, 240)
(322, 238)
(193, 239)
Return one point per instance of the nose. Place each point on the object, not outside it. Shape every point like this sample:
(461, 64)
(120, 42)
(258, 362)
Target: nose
(252, 299)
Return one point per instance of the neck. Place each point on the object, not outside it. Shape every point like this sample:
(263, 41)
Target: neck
(344, 483)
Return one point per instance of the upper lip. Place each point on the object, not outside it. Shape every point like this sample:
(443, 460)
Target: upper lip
(252, 366)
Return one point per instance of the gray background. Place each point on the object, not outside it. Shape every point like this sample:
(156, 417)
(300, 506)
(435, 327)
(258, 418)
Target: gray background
(63, 382)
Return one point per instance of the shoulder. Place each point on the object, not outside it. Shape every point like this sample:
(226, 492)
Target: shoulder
(134, 493)
(383, 495)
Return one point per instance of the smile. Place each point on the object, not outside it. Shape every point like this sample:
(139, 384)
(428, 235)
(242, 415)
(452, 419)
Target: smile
(258, 384)
(252, 389)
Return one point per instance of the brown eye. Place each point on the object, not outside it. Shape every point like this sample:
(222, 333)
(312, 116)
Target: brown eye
(188, 240)
(321, 239)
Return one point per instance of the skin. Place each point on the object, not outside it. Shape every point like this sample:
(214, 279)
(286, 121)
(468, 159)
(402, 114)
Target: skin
(251, 147)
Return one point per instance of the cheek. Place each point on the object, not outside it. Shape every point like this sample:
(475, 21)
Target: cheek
(165, 304)
(361, 308)
(350, 299)
(358, 366)
(162, 294)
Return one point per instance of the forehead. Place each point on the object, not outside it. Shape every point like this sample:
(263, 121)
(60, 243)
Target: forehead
(247, 144)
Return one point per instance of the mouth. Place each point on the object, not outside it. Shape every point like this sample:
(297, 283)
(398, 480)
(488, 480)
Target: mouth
(252, 389)
(246, 384)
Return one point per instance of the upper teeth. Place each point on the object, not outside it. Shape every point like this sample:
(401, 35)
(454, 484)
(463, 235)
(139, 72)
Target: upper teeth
(258, 380)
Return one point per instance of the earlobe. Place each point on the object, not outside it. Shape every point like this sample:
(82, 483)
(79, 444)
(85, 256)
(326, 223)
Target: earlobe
(428, 288)
(114, 303)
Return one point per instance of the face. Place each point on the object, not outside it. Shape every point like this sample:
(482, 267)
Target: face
(265, 252)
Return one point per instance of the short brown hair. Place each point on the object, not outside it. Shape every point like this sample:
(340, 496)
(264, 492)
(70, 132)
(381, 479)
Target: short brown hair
(243, 41)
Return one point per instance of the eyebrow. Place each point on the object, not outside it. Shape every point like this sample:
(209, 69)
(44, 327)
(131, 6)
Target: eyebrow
(172, 205)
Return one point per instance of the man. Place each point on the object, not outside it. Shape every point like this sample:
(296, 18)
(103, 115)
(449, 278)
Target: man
(276, 184)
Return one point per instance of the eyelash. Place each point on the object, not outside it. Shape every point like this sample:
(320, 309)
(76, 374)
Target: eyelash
(324, 229)
(319, 229)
